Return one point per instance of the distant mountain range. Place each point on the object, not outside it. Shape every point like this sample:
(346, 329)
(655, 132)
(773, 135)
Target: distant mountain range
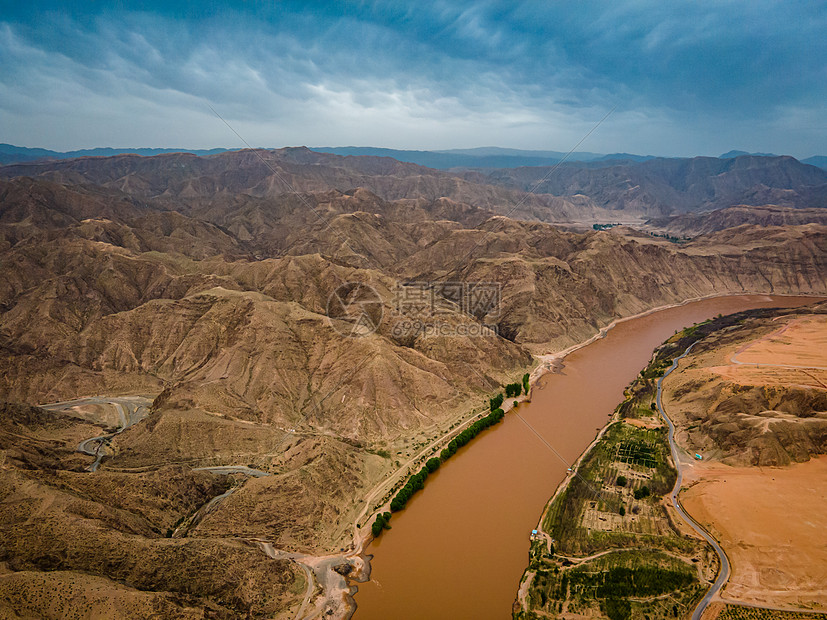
(481, 157)
(10, 154)
(600, 190)
(819, 161)
(671, 186)
(734, 154)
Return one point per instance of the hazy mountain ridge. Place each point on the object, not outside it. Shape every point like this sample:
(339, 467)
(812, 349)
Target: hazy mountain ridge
(479, 157)
(10, 154)
(593, 191)
(269, 174)
(816, 160)
(667, 186)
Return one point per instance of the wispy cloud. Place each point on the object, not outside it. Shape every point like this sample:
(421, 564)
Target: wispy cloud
(687, 78)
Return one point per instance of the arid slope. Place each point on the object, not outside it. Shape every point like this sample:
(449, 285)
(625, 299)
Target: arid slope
(752, 401)
(206, 283)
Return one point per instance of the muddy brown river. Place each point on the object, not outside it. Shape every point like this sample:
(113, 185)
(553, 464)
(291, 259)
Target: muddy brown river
(460, 546)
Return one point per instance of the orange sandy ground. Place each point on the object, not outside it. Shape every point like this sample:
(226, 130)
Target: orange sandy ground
(772, 523)
(800, 342)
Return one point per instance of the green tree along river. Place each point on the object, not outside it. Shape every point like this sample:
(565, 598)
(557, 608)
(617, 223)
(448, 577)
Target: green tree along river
(458, 548)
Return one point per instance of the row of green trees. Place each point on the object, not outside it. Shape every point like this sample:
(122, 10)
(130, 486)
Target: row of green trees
(417, 481)
(525, 383)
(472, 431)
(414, 484)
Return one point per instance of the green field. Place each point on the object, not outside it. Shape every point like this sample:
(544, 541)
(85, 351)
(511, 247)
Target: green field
(614, 508)
(615, 551)
(641, 455)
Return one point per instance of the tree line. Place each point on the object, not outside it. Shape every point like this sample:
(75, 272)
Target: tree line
(417, 480)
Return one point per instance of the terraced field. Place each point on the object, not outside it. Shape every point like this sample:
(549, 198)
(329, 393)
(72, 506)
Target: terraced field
(608, 544)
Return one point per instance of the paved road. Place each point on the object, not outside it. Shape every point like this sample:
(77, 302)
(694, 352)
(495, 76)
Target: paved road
(234, 469)
(723, 574)
(131, 410)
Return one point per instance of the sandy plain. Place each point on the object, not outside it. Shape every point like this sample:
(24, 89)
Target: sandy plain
(771, 521)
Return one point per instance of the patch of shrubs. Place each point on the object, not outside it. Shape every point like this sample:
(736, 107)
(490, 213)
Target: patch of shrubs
(513, 389)
(380, 524)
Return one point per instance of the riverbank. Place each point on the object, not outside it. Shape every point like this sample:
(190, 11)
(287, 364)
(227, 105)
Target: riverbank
(677, 315)
(545, 363)
(495, 491)
(640, 410)
(609, 517)
(552, 362)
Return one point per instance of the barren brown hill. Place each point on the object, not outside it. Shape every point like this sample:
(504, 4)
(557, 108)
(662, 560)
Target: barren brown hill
(557, 284)
(751, 400)
(667, 186)
(755, 395)
(184, 179)
(204, 284)
(572, 192)
(111, 312)
(93, 533)
(694, 224)
(36, 209)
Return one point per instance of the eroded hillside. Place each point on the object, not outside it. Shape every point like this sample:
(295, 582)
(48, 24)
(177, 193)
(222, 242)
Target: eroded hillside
(750, 402)
(755, 394)
(205, 284)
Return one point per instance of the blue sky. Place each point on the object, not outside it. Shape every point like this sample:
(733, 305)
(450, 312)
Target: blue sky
(684, 78)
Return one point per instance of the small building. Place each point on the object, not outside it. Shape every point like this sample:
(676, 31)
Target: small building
(699, 457)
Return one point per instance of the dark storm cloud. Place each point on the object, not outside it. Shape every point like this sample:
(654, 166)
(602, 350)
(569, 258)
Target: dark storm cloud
(685, 77)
